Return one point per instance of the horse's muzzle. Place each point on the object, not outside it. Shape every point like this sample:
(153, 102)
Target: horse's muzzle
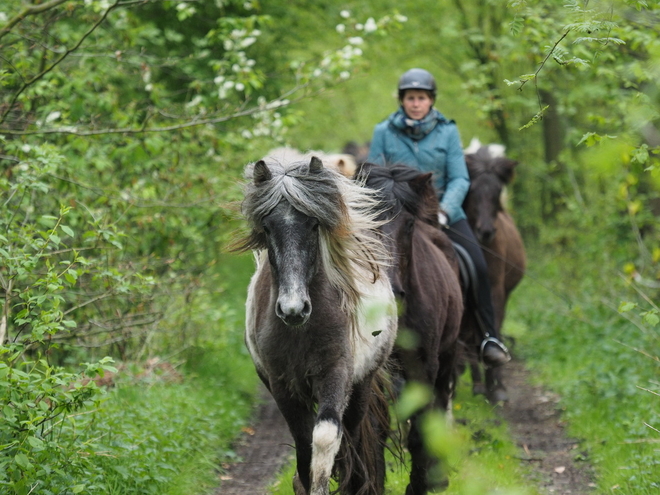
(293, 311)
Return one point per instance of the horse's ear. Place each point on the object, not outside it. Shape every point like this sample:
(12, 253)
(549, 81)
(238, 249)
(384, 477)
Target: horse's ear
(421, 182)
(315, 165)
(504, 168)
(362, 171)
(261, 172)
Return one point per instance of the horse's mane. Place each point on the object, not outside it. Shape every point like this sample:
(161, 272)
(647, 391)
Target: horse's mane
(351, 252)
(400, 188)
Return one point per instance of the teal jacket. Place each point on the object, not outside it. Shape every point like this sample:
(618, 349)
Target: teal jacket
(430, 145)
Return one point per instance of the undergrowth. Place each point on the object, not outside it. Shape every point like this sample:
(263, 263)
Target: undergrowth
(603, 364)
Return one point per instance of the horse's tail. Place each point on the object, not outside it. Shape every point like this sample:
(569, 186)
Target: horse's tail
(361, 465)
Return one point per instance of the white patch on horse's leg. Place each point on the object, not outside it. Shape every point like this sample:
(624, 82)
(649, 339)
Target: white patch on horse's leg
(450, 413)
(326, 440)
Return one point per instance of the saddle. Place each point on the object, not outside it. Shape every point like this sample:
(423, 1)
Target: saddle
(467, 271)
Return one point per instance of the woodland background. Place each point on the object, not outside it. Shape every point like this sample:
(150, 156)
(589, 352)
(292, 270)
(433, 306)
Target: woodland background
(124, 129)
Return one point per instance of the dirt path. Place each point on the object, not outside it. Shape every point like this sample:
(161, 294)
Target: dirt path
(262, 449)
(535, 423)
(532, 414)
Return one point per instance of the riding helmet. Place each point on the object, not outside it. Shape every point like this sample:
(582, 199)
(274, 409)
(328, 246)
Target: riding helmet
(417, 79)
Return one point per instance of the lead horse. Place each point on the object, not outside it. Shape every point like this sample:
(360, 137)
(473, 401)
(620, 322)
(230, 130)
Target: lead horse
(424, 276)
(321, 319)
(490, 171)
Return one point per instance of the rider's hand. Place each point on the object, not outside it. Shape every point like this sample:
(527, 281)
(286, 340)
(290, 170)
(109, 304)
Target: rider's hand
(443, 219)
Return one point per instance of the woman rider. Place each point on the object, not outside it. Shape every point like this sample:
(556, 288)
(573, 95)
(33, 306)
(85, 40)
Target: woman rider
(419, 136)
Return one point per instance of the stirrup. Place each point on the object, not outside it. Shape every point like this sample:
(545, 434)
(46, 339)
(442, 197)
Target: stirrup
(498, 343)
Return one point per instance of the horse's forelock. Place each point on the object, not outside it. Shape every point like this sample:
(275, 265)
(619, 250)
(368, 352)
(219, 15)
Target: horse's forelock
(313, 193)
(393, 184)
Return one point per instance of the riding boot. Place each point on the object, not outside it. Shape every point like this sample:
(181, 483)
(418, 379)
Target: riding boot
(493, 352)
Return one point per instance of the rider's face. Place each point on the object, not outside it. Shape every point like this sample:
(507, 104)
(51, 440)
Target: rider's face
(416, 103)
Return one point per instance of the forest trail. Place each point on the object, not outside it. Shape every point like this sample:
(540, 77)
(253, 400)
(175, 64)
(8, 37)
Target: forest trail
(534, 419)
(535, 423)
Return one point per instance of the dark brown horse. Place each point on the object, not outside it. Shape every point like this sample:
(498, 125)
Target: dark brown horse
(490, 171)
(321, 319)
(424, 277)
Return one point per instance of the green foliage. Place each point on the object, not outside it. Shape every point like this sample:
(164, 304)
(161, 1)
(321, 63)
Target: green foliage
(126, 126)
(47, 415)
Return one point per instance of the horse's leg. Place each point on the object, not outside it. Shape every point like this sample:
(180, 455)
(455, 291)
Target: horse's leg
(332, 391)
(426, 471)
(496, 391)
(473, 338)
(445, 382)
(424, 467)
(366, 422)
(495, 388)
(300, 419)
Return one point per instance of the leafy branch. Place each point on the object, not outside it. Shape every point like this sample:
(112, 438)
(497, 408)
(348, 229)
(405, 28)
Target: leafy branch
(28, 11)
(534, 76)
(279, 102)
(59, 60)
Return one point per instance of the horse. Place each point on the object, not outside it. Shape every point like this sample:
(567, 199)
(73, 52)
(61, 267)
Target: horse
(424, 277)
(321, 319)
(344, 163)
(360, 152)
(490, 171)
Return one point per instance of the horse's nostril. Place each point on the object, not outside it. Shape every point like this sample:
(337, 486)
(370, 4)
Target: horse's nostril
(307, 308)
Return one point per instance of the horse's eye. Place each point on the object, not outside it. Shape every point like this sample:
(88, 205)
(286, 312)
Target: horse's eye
(316, 227)
(266, 230)
(410, 225)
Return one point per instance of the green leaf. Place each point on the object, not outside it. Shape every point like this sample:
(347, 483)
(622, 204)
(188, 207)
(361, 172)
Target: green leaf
(23, 461)
(36, 443)
(67, 230)
(651, 318)
(625, 306)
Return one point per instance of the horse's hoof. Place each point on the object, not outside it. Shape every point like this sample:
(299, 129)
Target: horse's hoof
(498, 395)
(478, 389)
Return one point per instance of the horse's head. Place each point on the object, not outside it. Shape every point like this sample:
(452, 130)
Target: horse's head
(288, 205)
(406, 197)
(489, 172)
(292, 239)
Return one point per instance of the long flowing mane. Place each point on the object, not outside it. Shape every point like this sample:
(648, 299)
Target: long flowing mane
(394, 184)
(351, 252)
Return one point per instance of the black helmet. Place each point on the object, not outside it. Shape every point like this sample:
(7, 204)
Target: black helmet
(417, 79)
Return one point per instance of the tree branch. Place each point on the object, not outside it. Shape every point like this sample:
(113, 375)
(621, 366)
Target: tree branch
(57, 62)
(552, 50)
(276, 103)
(28, 11)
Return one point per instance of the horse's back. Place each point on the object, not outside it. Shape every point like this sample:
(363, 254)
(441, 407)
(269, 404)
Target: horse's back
(437, 276)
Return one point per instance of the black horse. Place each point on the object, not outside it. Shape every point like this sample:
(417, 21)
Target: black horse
(490, 171)
(424, 276)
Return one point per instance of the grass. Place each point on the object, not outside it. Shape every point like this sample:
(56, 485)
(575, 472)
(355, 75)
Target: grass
(158, 436)
(590, 355)
(171, 437)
